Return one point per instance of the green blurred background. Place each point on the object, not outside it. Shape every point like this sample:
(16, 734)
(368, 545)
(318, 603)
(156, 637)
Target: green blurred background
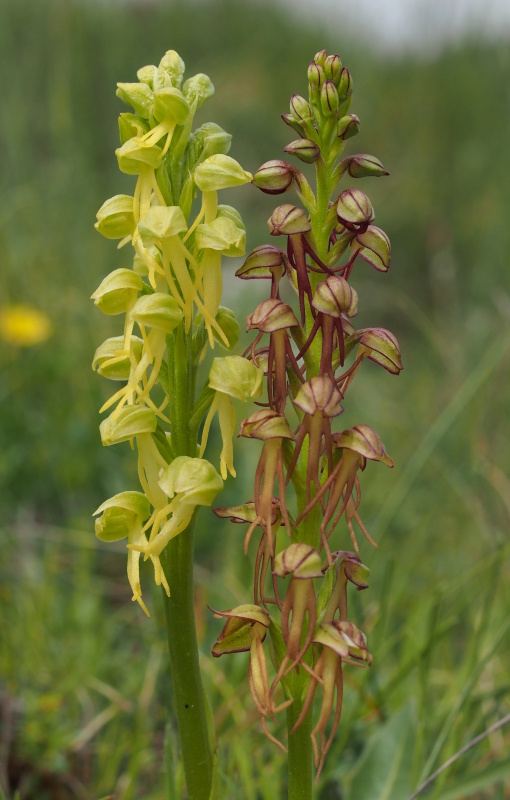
(83, 677)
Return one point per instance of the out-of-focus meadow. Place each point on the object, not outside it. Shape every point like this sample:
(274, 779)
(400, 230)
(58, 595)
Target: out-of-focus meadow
(83, 678)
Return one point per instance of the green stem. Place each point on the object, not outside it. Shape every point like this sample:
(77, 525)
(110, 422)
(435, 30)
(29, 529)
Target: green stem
(189, 699)
(177, 561)
(300, 753)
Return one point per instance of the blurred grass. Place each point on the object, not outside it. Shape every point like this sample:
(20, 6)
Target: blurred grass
(83, 683)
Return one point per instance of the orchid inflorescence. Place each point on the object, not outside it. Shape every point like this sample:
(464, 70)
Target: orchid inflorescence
(170, 295)
(310, 355)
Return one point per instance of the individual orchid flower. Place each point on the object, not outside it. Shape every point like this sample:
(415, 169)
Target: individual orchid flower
(274, 317)
(299, 610)
(272, 429)
(245, 630)
(230, 377)
(334, 300)
(356, 445)
(266, 261)
(224, 235)
(320, 400)
(161, 313)
(376, 344)
(341, 641)
(122, 516)
(247, 513)
(189, 482)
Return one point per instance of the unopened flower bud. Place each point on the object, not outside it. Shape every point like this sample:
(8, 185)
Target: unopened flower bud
(354, 209)
(320, 58)
(300, 560)
(348, 126)
(198, 89)
(228, 323)
(128, 422)
(320, 393)
(329, 98)
(300, 108)
(118, 291)
(316, 75)
(195, 479)
(146, 75)
(266, 424)
(335, 297)
(304, 149)
(108, 351)
(137, 95)
(220, 172)
(333, 68)
(274, 177)
(272, 315)
(287, 220)
(344, 84)
(364, 165)
(115, 218)
(170, 71)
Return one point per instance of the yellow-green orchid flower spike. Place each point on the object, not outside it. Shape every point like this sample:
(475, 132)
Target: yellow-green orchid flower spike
(230, 376)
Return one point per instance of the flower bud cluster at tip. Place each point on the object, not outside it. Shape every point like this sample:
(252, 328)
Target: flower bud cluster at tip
(170, 296)
(309, 356)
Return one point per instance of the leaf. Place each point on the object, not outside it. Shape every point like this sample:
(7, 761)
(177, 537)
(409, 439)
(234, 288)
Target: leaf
(385, 768)
(481, 780)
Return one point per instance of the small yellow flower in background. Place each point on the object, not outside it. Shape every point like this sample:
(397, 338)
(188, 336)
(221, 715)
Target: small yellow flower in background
(24, 326)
